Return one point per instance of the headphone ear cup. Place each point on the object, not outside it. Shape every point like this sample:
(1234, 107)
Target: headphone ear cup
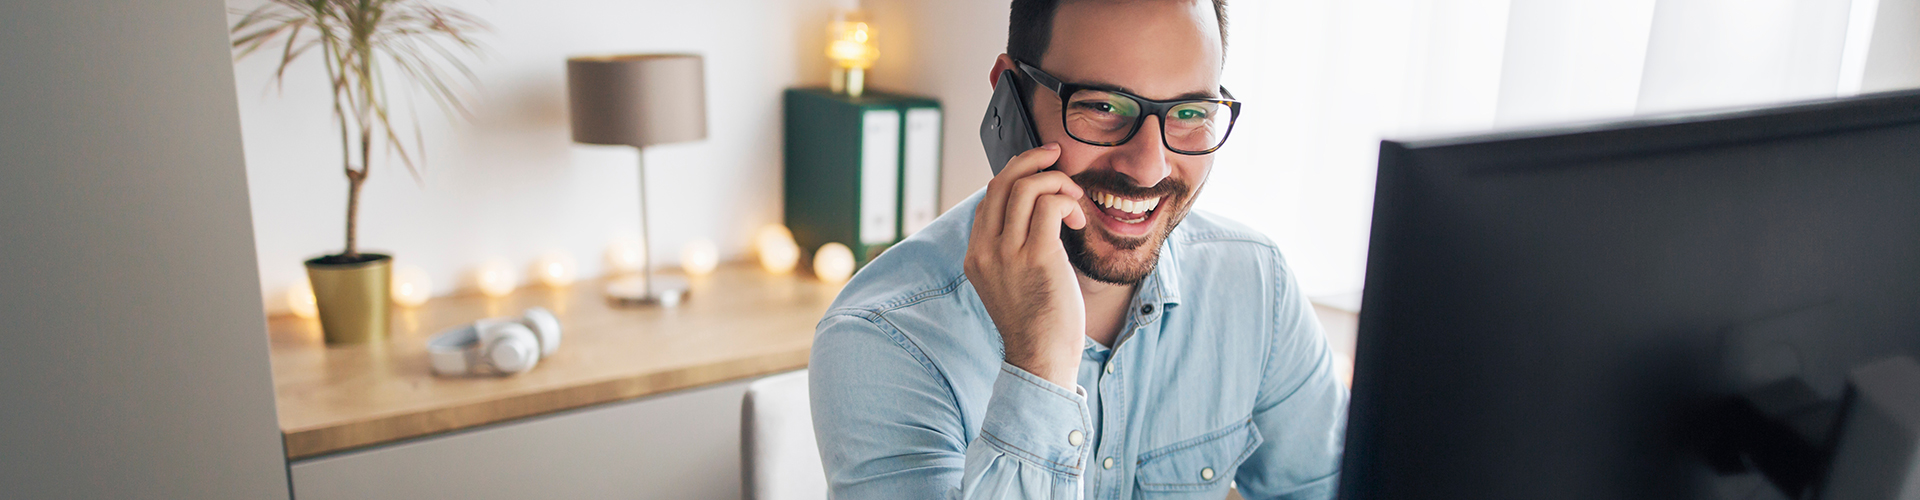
(545, 326)
(509, 346)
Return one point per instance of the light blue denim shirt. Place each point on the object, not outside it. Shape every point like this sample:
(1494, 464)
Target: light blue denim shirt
(1221, 374)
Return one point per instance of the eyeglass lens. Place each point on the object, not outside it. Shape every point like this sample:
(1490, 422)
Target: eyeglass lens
(1108, 118)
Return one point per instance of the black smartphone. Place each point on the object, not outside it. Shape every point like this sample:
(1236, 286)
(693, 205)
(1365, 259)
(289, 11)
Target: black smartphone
(1007, 131)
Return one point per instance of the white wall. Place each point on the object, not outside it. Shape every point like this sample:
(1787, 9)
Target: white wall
(135, 363)
(1325, 80)
(511, 184)
(1712, 53)
(1892, 57)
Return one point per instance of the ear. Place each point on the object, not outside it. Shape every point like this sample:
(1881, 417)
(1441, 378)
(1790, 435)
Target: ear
(1002, 63)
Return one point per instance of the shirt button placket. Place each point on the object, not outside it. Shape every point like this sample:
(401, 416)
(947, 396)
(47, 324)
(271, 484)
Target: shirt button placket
(1114, 401)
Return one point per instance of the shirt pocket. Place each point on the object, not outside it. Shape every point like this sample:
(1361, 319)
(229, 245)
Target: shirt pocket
(1199, 464)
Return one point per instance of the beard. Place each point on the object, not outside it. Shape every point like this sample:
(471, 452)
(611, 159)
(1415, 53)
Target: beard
(1127, 265)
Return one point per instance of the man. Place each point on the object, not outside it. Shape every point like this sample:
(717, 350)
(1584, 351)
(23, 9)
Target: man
(1072, 332)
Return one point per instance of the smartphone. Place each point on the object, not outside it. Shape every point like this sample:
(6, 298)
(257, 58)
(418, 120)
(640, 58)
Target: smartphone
(1007, 131)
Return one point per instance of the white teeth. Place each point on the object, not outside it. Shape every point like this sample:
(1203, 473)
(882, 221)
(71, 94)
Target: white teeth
(1126, 205)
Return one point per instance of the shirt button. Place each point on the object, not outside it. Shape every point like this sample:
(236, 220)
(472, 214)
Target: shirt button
(1108, 464)
(1206, 474)
(1146, 309)
(1109, 367)
(1075, 438)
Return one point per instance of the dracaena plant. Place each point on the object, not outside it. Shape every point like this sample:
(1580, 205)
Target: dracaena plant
(361, 42)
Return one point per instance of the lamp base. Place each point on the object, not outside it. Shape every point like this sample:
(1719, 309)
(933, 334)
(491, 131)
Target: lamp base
(632, 291)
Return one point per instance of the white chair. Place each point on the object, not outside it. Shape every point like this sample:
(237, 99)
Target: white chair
(779, 459)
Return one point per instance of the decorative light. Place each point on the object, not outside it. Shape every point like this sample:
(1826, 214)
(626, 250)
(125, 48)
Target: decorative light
(778, 253)
(301, 301)
(699, 257)
(833, 263)
(626, 254)
(555, 269)
(496, 278)
(850, 45)
(411, 286)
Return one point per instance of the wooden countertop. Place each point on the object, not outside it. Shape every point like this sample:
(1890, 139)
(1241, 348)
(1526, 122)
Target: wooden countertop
(739, 322)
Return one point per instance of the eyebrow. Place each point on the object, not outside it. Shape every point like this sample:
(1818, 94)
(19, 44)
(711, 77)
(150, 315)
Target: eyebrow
(1197, 94)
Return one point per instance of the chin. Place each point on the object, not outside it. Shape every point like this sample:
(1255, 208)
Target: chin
(1109, 258)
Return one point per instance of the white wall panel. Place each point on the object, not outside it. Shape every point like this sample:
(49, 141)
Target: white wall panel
(135, 363)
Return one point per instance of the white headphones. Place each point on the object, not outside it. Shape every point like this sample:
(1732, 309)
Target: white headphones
(502, 346)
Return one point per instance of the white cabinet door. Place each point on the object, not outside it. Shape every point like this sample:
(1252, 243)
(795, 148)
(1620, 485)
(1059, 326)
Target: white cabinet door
(682, 445)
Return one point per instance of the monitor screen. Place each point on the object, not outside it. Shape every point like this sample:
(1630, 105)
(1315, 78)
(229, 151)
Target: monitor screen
(1564, 313)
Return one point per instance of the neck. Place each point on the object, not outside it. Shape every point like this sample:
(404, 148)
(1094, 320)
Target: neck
(1106, 308)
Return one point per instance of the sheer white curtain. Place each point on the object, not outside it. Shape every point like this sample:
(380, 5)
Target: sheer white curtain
(1325, 80)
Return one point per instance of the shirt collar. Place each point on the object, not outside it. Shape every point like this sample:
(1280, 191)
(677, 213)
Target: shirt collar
(1164, 284)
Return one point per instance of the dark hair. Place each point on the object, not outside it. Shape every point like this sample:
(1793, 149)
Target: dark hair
(1030, 28)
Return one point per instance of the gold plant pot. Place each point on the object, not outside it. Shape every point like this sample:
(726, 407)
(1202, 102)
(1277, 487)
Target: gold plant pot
(353, 296)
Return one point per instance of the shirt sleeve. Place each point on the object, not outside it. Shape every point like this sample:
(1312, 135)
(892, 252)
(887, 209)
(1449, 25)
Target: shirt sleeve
(1301, 409)
(889, 426)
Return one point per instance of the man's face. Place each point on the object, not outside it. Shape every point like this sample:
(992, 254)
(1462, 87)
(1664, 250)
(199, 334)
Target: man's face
(1159, 50)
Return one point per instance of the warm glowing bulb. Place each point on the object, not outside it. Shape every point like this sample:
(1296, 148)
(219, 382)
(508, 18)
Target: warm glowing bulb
(496, 278)
(778, 253)
(850, 43)
(555, 269)
(300, 299)
(411, 286)
(699, 258)
(833, 263)
(626, 255)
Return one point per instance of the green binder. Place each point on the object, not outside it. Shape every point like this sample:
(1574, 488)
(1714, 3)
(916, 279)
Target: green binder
(862, 171)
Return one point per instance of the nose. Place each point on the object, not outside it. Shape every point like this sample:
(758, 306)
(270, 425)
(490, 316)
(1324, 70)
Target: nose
(1143, 157)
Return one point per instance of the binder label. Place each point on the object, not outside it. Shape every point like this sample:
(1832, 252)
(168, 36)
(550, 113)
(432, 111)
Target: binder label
(879, 176)
(920, 204)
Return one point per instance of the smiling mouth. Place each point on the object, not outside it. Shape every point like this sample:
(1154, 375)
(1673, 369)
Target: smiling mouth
(1126, 210)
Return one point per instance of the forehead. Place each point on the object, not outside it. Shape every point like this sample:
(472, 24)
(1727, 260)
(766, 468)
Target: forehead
(1156, 48)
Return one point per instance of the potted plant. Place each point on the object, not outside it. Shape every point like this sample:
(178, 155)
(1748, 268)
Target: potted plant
(360, 41)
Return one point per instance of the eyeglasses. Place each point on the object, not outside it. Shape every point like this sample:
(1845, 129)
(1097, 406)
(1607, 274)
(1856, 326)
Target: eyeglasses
(1104, 116)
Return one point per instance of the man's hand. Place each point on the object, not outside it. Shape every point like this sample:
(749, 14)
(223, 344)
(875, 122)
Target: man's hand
(1019, 267)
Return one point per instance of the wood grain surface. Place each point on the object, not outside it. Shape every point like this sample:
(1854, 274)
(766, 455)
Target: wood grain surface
(739, 322)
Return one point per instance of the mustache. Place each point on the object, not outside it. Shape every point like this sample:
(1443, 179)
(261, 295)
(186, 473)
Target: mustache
(1121, 185)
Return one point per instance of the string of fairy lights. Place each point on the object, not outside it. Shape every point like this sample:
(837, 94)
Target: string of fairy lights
(624, 256)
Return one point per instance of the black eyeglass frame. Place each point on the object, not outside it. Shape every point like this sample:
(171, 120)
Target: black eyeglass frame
(1148, 107)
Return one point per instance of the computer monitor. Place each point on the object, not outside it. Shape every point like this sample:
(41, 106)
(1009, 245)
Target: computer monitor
(1570, 313)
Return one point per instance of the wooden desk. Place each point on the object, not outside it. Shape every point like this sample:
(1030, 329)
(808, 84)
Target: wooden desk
(740, 322)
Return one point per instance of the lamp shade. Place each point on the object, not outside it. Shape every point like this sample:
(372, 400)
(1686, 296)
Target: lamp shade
(637, 100)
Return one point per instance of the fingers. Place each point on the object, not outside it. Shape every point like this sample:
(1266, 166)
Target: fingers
(1021, 204)
(992, 208)
(989, 217)
(1049, 212)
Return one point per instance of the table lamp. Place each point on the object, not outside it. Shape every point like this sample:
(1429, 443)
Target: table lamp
(639, 100)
